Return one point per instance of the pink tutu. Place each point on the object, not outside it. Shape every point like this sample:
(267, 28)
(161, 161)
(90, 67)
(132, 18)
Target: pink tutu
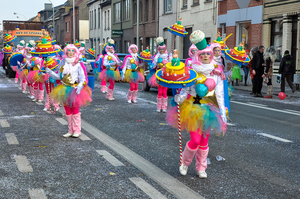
(102, 75)
(23, 73)
(152, 81)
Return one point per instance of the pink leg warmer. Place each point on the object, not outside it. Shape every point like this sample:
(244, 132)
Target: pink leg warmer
(188, 155)
(134, 94)
(201, 159)
(77, 123)
(159, 103)
(164, 103)
(129, 95)
(70, 123)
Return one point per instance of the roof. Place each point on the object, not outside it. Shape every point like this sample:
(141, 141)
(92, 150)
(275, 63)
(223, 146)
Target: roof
(90, 2)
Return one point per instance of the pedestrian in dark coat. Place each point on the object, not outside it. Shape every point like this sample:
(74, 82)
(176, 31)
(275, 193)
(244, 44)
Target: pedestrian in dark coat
(287, 70)
(258, 71)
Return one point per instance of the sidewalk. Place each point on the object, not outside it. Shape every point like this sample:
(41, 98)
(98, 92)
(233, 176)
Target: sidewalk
(288, 90)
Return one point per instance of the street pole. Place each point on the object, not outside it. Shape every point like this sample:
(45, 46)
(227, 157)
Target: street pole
(53, 20)
(137, 23)
(73, 22)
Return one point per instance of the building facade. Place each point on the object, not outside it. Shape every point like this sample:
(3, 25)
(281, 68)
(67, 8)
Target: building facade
(148, 24)
(95, 25)
(122, 24)
(281, 28)
(197, 15)
(242, 18)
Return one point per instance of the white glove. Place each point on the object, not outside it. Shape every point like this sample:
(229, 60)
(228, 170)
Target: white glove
(19, 63)
(177, 98)
(112, 63)
(224, 119)
(48, 70)
(79, 88)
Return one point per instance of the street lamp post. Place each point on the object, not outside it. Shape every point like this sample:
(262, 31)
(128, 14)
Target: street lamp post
(53, 20)
(21, 15)
(73, 22)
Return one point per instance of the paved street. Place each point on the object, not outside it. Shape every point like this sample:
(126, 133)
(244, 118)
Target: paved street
(127, 150)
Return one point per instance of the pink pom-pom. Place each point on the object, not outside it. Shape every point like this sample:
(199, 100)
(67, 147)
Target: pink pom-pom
(37, 62)
(210, 84)
(165, 62)
(136, 63)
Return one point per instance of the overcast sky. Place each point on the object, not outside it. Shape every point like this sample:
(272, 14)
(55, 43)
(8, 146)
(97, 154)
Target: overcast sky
(28, 8)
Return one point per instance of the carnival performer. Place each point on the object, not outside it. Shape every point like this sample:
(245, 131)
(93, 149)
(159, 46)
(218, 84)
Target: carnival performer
(25, 69)
(159, 60)
(50, 83)
(36, 79)
(73, 92)
(20, 49)
(269, 57)
(111, 73)
(131, 72)
(101, 68)
(192, 52)
(200, 116)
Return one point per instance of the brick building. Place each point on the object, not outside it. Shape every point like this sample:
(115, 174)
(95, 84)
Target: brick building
(243, 18)
(148, 24)
(281, 28)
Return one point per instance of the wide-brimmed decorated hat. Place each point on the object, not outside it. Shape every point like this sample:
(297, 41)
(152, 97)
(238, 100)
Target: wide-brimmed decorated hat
(8, 49)
(222, 42)
(237, 55)
(185, 77)
(9, 38)
(48, 51)
(178, 29)
(77, 44)
(145, 56)
(15, 58)
(91, 51)
(48, 38)
(51, 63)
(198, 39)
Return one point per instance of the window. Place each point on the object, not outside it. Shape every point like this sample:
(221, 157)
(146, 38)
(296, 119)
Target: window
(141, 12)
(105, 20)
(153, 9)
(146, 10)
(276, 36)
(92, 20)
(99, 17)
(67, 27)
(195, 2)
(108, 19)
(243, 34)
(134, 16)
(126, 10)
(117, 12)
(168, 6)
(95, 22)
(184, 3)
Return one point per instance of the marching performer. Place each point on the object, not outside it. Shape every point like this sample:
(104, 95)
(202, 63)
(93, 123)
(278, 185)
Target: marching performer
(131, 73)
(110, 61)
(73, 92)
(201, 115)
(159, 60)
(36, 79)
(192, 52)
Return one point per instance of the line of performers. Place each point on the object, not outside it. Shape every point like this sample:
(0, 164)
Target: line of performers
(65, 79)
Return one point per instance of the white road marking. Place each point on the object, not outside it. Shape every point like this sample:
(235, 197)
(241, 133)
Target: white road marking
(11, 138)
(292, 111)
(4, 123)
(230, 124)
(39, 103)
(83, 137)
(62, 121)
(172, 185)
(19, 88)
(110, 158)
(9, 80)
(266, 108)
(125, 94)
(37, 194)
(274, 137)
(147, 188)
(23, 164)
(256, 104)
(1, 113)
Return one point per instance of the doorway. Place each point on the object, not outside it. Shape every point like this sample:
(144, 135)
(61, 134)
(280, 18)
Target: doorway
(187, 43)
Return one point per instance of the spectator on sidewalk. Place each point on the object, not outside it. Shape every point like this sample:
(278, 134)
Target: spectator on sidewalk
(246, 69)
(287, 70)
(258, 71)
(252, 53)
(269, 57)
